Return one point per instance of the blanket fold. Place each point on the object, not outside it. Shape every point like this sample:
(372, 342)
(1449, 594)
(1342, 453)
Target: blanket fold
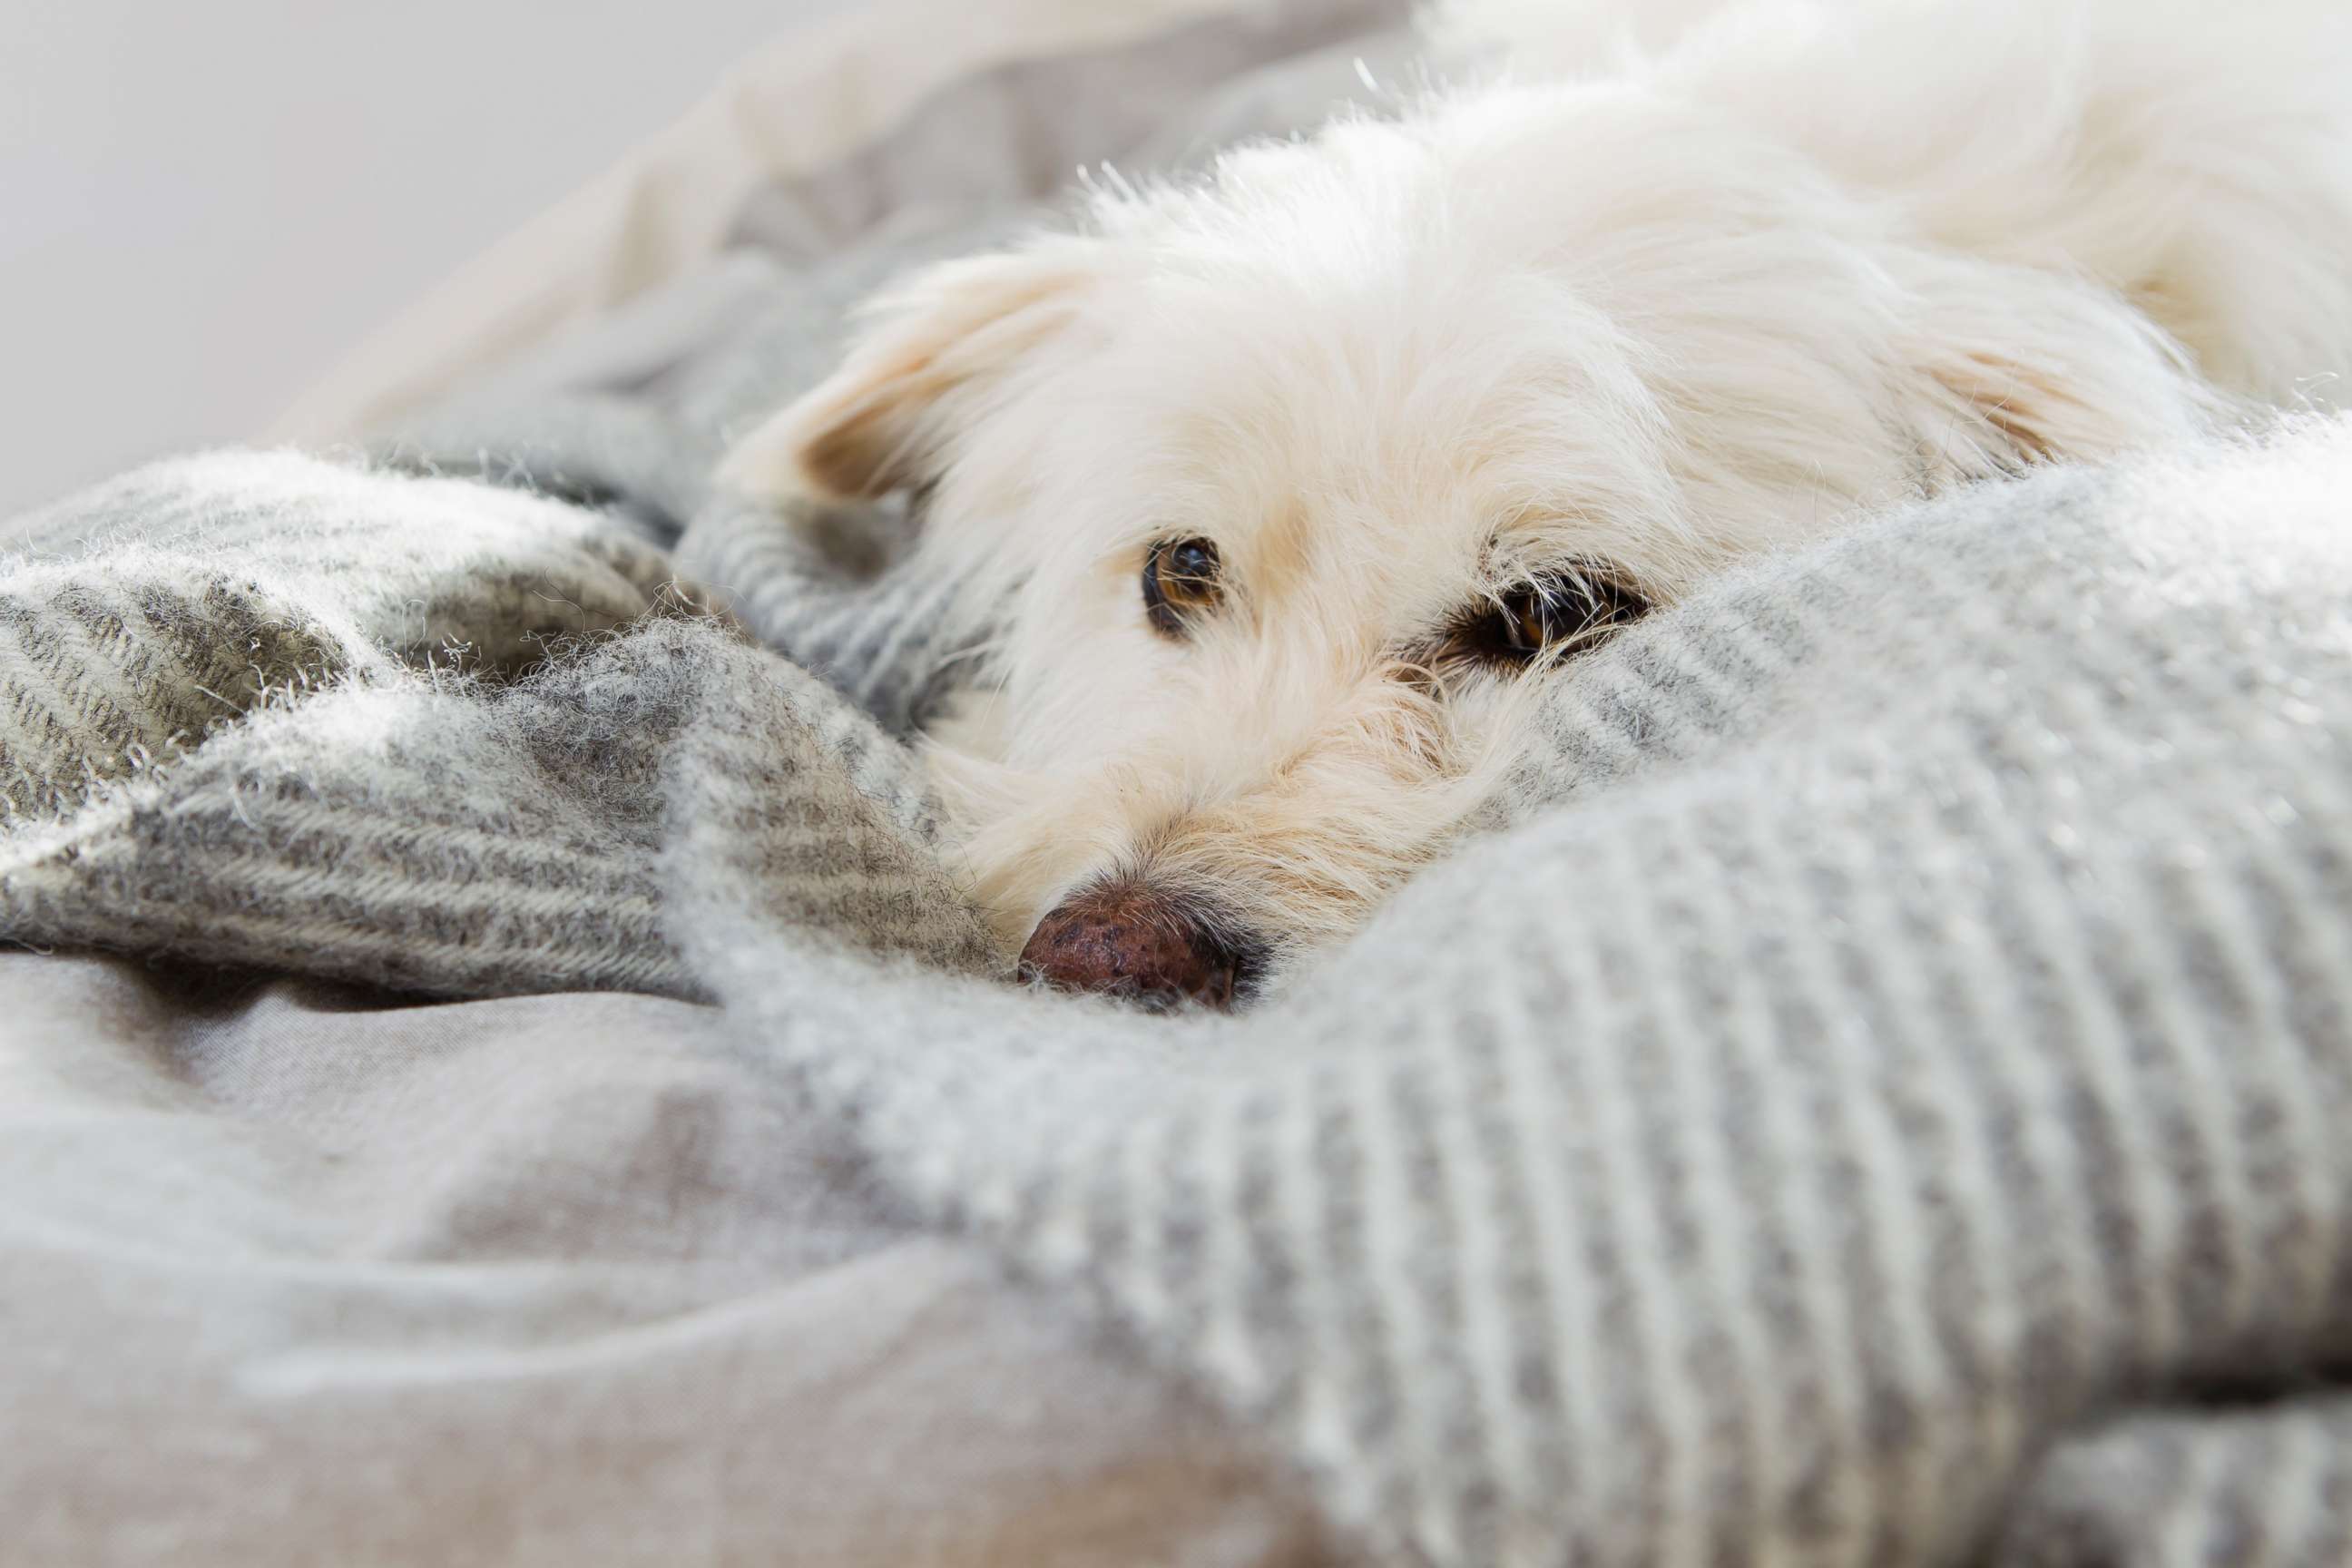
(273, 713)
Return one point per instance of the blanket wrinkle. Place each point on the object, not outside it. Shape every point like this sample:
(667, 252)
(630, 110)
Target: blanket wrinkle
(345, 798)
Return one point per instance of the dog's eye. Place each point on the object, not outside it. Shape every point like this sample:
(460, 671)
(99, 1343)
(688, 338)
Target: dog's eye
(1557, 615)
(1180, 582)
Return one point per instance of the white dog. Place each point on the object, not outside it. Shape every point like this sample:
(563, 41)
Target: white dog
(1291, 485)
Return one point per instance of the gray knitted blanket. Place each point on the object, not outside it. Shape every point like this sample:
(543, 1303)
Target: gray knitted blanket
(1880, 1101)
(1877, 1098)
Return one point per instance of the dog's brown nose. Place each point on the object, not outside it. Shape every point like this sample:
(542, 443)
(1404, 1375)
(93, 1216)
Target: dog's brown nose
(1128, 940)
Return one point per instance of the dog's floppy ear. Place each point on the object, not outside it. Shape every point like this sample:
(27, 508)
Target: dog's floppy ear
(936, 351)
(2021, 368)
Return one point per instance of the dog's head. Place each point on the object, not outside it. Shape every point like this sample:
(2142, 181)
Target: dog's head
(1284, 493)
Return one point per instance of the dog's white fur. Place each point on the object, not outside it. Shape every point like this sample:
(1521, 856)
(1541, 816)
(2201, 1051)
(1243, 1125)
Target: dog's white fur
(1700, 280)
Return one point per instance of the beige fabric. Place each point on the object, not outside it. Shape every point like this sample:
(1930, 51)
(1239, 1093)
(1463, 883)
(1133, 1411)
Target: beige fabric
(293, 1277)
(809, 98)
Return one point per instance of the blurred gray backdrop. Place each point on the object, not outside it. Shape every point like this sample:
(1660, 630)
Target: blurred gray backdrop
(204, 203)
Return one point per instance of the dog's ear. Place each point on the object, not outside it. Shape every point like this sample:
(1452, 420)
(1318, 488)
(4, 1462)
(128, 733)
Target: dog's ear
(2007, 414)
(935, 351)
(2019, 368)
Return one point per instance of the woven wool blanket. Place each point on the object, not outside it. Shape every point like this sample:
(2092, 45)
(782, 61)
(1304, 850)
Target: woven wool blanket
(267, 710)
(1874, 1095)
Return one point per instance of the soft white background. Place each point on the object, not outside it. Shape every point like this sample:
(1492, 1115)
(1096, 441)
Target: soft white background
(203, 203)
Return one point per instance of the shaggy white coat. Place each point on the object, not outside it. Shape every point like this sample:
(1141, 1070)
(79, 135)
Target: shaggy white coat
(1689, 281)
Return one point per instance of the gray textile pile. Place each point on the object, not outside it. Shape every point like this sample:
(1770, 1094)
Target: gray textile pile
(1876, 1097)
(412, 732)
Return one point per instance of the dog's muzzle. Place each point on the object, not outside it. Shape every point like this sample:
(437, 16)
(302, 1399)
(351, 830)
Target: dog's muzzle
(1127, 939)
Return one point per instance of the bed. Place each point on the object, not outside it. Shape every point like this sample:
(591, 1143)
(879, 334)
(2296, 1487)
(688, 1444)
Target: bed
(495, 1065)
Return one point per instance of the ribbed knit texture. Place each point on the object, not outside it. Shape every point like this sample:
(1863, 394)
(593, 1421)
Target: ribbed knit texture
(2199, 1486)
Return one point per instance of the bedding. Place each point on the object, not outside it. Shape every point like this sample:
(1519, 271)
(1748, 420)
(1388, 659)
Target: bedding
(291, 1276)
(1870, 1093)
